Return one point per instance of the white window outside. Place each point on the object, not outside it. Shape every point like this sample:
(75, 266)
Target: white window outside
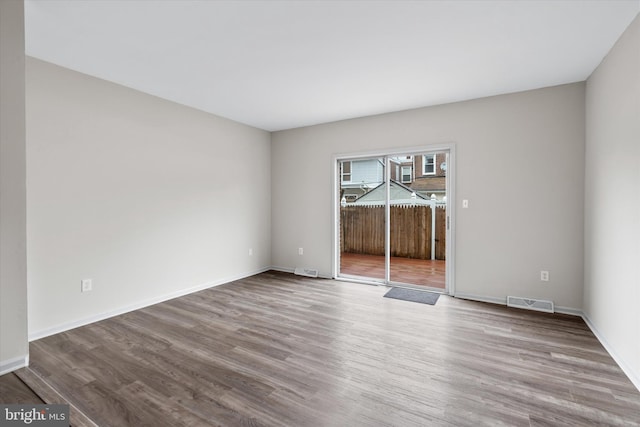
(345, 171)
(429, 164)
(406, 174)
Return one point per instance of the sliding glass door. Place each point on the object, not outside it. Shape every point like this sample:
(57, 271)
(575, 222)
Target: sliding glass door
(393, 219)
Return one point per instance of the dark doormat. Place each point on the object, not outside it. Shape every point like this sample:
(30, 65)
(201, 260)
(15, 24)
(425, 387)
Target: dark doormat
(412, 295)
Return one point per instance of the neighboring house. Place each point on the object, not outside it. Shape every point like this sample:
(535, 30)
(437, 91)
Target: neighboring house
(402, 169)
(358, 177)
(399, 194)
(423, 173)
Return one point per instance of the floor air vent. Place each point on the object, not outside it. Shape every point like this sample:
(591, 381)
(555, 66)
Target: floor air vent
(309, 272)
(530, 304)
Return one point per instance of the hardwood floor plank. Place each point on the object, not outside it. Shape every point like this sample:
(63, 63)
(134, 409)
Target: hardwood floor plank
(276, 349)
(14, 391)
(49, 395)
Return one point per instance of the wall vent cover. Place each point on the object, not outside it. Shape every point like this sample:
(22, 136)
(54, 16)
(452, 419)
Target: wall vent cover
(309, 272)
(530, 304)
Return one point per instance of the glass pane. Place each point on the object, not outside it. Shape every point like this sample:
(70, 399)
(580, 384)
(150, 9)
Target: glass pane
(362, 219)
(418, 228)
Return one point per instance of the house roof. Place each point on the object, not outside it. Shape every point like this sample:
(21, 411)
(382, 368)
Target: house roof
(400, 194)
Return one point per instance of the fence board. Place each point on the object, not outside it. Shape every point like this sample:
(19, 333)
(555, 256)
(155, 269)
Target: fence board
(441, 232)
(362, 231)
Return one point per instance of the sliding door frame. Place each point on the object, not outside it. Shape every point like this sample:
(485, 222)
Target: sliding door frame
(449, 147)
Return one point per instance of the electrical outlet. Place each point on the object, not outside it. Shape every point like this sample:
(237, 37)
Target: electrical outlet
(87, 285)
(250, 251)
(544, 275)
(300, 251)
(465, 204)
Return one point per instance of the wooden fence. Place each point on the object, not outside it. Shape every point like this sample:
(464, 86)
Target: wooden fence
(362, 231)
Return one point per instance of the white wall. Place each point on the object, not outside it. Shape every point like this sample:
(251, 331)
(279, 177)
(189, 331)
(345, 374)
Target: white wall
(14, 347)
(520, 162)
(612, 202)
(147, 198)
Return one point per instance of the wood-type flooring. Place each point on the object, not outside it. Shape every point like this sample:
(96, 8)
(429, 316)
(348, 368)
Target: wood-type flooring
(14, 391)
(280, 350)
(430, 273)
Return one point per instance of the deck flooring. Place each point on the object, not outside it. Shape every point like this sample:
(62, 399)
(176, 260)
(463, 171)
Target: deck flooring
(430, 273)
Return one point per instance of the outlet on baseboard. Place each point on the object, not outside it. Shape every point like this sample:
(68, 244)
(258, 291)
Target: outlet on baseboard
(544, 275)
(300, 251)
(86, 285)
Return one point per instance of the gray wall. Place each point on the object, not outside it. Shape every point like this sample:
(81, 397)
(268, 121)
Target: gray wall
(612, 202)
(13, 271)
(148, 198)
(520, 162)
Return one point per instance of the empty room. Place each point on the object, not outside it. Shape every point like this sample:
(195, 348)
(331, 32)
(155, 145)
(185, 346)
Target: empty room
(319, 213)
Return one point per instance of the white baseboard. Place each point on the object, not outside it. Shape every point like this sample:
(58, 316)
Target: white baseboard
(292, 270)
(568, 310)
(626, 368)
(480, 298)
(142, 304)
(11, 365)
(503, 301)
(283, 269)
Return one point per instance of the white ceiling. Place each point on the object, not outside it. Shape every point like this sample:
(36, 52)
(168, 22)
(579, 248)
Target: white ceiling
(283, 64)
